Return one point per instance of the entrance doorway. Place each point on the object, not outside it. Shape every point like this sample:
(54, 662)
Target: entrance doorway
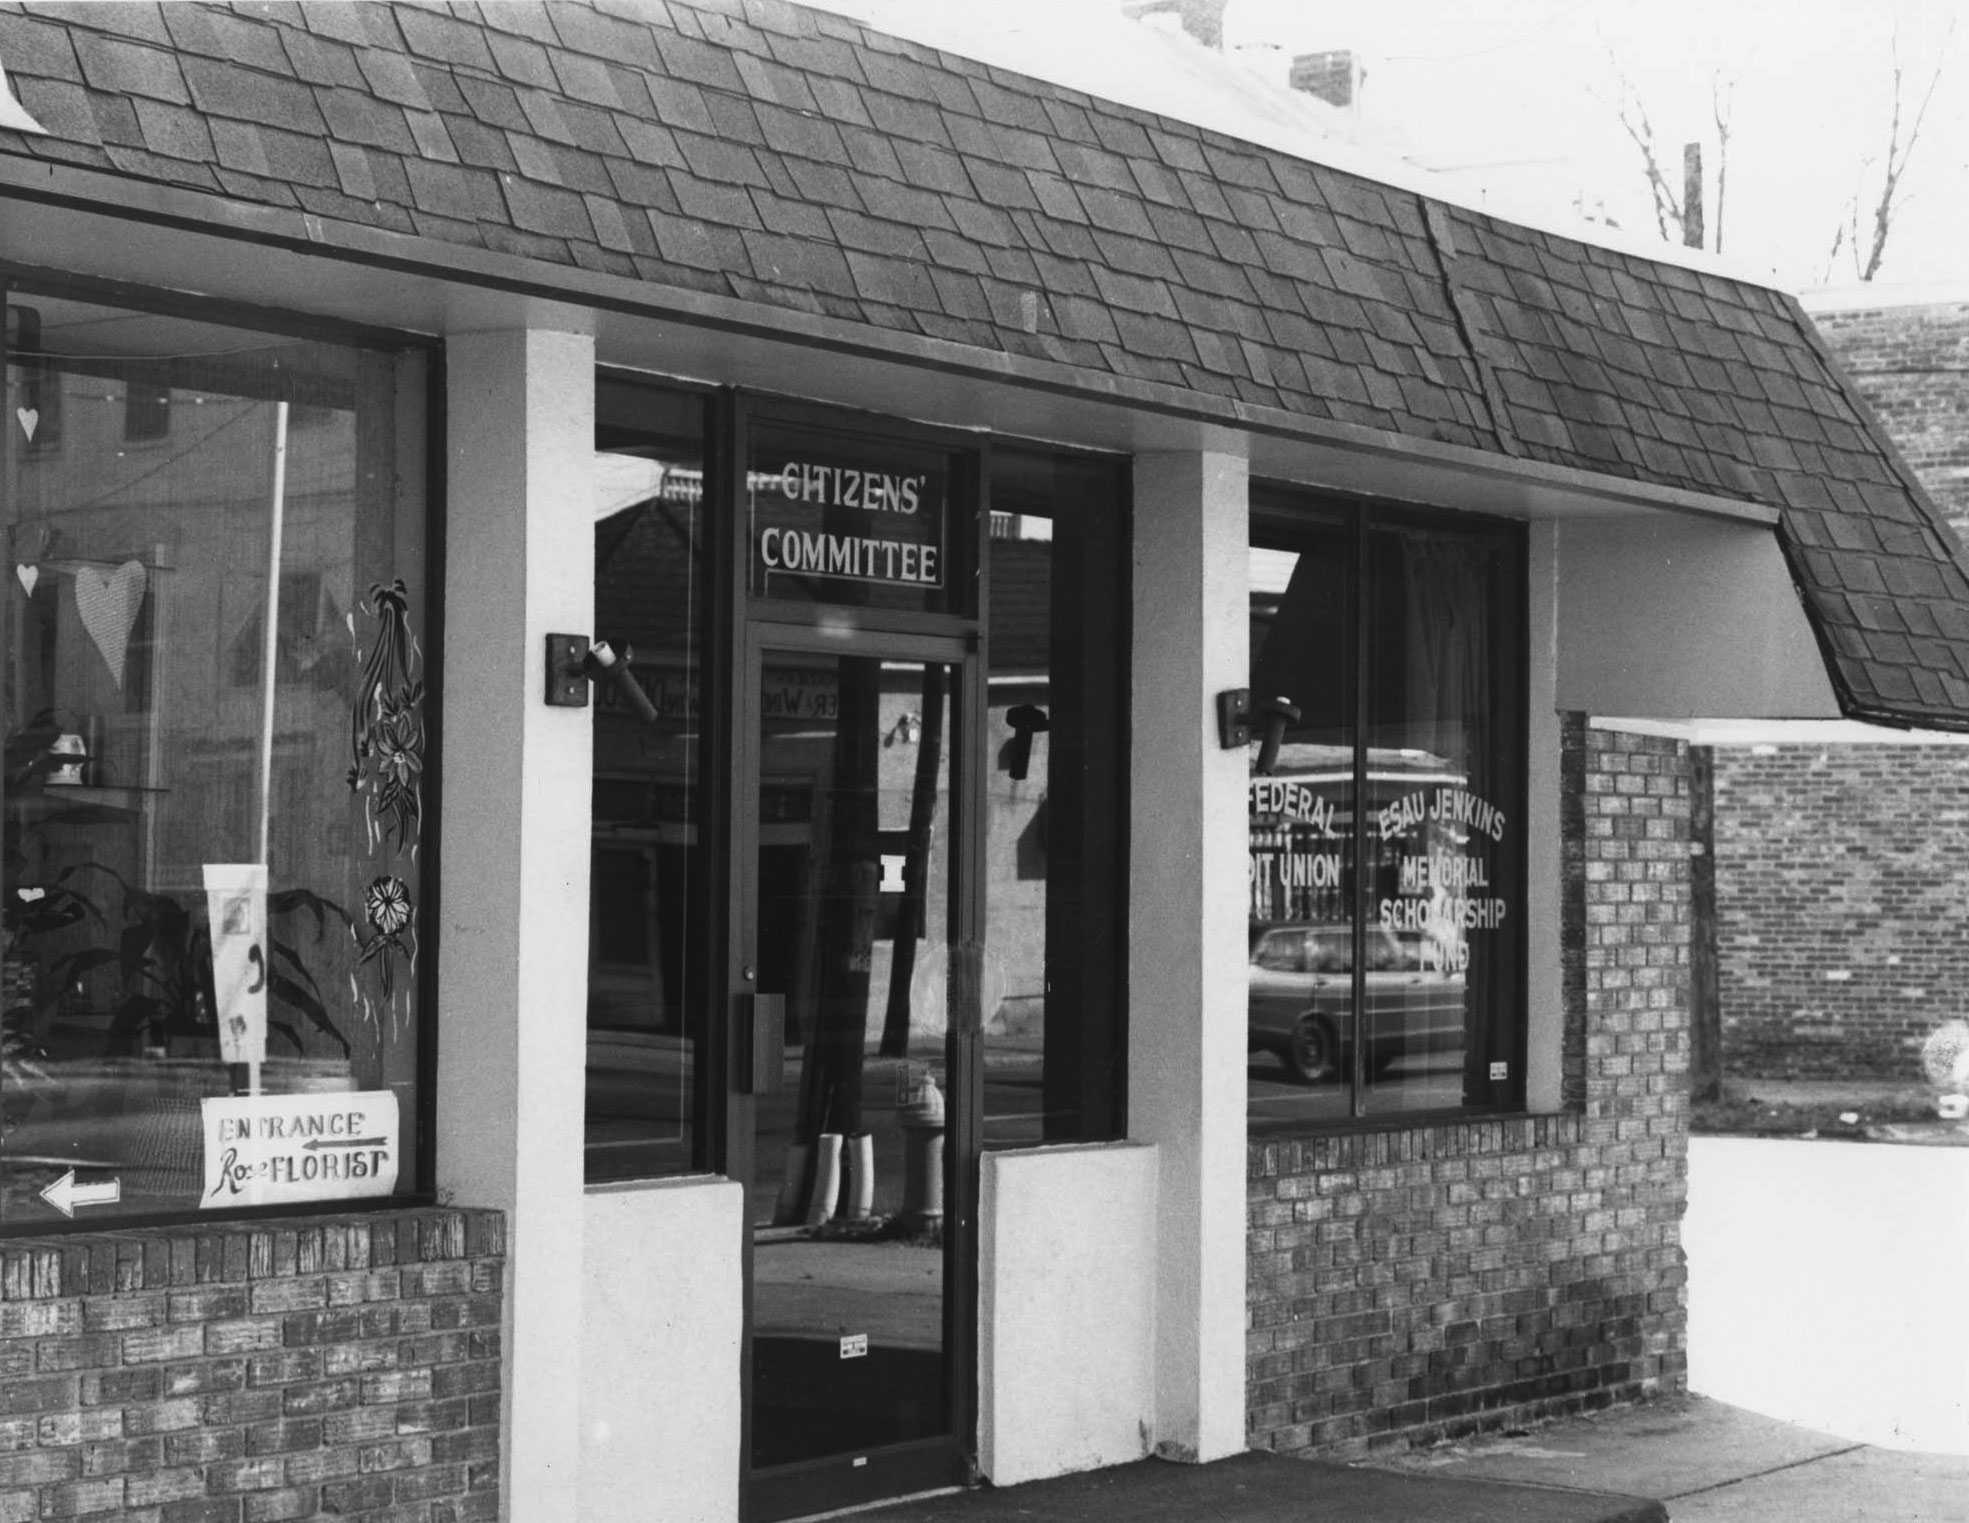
(852, 1063)
(786, 932)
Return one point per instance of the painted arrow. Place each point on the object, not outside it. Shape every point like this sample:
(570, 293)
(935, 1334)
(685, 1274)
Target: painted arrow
(65, 1194)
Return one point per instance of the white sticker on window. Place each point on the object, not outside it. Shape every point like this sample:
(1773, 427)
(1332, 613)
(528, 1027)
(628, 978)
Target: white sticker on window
(854, 1345)
(236, 902)
(1500, 1070)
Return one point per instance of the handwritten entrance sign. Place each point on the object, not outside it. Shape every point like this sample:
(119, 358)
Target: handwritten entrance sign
(275, 1150)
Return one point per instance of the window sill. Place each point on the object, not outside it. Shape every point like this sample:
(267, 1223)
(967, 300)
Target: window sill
(1519, 1128)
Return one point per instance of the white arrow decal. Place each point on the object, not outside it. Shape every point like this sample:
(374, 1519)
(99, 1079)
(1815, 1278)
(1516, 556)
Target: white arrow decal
(65, 1194)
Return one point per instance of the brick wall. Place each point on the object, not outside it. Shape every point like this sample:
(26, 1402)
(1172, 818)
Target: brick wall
(1418, 1282)
(1842, 911)
(337, 1367)
(1842, 937)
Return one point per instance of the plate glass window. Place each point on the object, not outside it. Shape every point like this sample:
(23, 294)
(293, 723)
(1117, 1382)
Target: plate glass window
(1387, 844)
(647, 952)
(215, 689)
(1055, 798)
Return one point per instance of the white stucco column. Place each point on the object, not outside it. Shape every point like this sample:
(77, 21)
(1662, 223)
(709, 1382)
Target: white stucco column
(1188, 901)
(512, 964)
(1544, 908)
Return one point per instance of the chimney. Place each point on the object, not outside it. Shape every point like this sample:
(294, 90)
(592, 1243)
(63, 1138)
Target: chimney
(1202, 19)
(1335, 77)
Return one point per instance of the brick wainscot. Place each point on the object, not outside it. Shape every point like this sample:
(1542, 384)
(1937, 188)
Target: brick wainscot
(1418, 1281)
(248, 1372)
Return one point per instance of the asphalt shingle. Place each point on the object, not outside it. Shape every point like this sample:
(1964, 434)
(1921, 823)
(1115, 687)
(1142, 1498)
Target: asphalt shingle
(794, 158)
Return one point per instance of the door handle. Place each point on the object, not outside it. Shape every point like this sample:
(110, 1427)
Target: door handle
(762, 1041)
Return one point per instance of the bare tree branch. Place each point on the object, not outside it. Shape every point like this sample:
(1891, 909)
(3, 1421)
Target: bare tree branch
(1633, 115)
(1677, 217)
(1898, 153)
(1675, 214)
(1850, 213)
(1722, 106)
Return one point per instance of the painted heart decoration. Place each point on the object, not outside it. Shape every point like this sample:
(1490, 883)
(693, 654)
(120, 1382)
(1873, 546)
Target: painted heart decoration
(29, 576)
(30, 420)
(108, 603)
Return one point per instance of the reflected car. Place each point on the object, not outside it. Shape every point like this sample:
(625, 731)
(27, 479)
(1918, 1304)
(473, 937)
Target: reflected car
(1302, 988)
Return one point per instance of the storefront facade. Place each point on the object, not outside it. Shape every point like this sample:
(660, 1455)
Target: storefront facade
(1056, 662)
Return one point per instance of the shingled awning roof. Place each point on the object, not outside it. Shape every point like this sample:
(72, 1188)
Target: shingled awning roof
(796, 160)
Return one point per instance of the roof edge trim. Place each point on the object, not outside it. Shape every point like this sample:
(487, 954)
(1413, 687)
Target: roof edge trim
(1909, 716)
(1885, 297)
(1737, 733)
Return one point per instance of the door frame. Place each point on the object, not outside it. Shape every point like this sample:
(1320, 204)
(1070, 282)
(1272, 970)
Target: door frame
(757, 626)
(924, 1464)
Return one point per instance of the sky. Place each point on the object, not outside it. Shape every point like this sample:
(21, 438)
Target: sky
(1516, 102)
(1535, 84)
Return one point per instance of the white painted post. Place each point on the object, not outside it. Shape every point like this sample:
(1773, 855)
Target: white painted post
(1187, 863)
(512, 966)
(1544, 980)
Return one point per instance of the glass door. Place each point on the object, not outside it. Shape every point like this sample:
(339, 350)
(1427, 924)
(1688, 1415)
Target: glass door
(852, 1058)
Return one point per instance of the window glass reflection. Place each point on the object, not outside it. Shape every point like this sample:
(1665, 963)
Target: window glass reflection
(646, 952)
(216, 751)
(1301, 820)
(1445, 823)
(1397, 987)
(1054, 795)
(852, 897)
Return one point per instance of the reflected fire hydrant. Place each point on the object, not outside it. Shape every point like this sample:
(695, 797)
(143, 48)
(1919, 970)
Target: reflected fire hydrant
(921, 1121)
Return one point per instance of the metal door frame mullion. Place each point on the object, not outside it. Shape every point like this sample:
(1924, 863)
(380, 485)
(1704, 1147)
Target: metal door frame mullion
(970, 775)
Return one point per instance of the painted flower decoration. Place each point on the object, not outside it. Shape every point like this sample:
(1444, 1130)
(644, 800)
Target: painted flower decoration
(386, 766)
(386, 903)
(386, 760)
(398, 739)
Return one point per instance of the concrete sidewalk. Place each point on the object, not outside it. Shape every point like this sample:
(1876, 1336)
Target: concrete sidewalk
(1708, 1462)
(1686, 1458)
(1266, 1488)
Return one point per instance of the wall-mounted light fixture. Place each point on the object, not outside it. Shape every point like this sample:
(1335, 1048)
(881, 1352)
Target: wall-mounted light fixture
(574, 662)
(1237, 717)
(1026, 720)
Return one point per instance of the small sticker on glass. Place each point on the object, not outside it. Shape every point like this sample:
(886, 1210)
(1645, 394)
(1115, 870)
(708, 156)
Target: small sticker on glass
(1500, 1070)
(854, 1345)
